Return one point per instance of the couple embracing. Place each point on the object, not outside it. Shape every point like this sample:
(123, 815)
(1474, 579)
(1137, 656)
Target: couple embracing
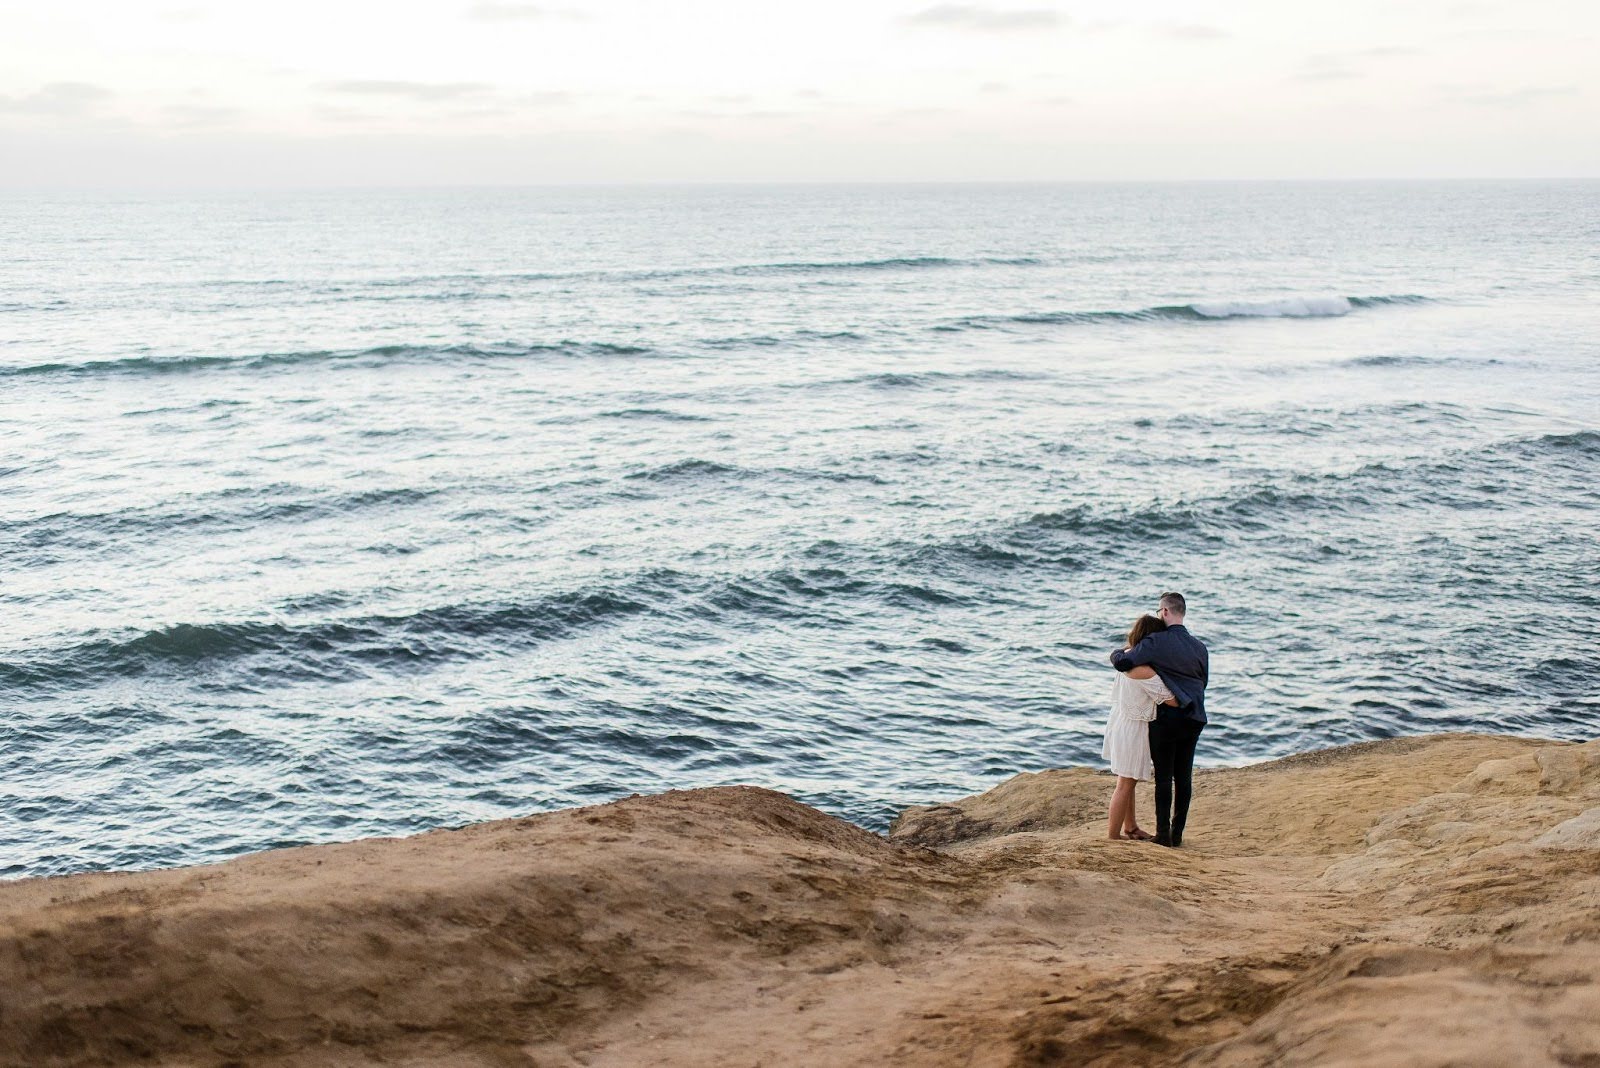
(1158, 708)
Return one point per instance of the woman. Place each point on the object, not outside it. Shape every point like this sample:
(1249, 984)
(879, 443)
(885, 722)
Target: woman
(1134, 696)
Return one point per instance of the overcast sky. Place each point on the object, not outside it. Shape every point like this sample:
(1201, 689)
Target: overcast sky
(365, 92)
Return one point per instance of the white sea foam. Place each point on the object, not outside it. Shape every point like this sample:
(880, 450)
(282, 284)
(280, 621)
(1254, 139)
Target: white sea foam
(1285, 308)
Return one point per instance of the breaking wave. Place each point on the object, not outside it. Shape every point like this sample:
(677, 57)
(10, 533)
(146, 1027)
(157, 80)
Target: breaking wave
(1326, 307)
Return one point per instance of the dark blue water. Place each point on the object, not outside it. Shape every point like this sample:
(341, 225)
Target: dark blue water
(330, 515)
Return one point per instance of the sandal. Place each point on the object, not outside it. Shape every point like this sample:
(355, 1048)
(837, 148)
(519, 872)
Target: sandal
(1139, 834)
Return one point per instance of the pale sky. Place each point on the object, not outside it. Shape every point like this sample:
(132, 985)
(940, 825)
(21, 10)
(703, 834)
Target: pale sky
(435, 92)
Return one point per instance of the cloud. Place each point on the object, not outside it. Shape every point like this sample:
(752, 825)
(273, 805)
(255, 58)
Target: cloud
(199, 114)
(347, 115)
(447, 101)
(1194, 32)
(1347, 65)
(971, 17)
(493, 12)
(486, 111)
(57, 98)
(1326, 74)
(422, 92)
(1517, 98)
(755, 115)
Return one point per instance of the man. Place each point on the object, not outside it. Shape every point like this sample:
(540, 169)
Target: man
(1183, 665)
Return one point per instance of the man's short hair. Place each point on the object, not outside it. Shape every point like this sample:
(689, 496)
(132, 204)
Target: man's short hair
(1173, 602)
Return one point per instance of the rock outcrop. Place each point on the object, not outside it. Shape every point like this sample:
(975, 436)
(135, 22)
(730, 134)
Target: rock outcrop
(1418, 901)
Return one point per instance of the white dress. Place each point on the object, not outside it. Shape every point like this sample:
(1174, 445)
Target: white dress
(1133, 706)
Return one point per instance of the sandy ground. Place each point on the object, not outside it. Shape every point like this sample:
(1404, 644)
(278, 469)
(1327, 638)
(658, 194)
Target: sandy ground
(1414, 902)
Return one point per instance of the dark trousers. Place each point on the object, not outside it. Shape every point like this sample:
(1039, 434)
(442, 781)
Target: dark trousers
(1172, 745)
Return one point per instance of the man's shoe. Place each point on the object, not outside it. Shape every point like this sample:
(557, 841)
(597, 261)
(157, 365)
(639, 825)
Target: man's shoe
(1177, 840)
(1163, 839)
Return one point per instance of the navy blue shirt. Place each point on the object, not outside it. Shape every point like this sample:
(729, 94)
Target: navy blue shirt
(1183, 665)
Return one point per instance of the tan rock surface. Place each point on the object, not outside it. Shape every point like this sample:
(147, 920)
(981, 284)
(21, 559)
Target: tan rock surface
(1420, 901)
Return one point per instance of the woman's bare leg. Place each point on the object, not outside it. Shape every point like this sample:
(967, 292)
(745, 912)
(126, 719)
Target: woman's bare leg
(1121, 812)
(1130, 822)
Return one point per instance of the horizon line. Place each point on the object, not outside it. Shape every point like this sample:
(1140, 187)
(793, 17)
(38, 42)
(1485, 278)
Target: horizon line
(782, 182)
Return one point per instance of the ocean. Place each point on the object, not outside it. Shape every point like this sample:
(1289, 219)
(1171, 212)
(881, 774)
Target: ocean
(350, 513)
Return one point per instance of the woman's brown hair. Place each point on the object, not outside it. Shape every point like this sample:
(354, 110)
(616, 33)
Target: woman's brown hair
(1143, 627)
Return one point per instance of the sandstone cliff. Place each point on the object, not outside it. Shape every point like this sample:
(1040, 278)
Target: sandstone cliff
(1419, 901)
